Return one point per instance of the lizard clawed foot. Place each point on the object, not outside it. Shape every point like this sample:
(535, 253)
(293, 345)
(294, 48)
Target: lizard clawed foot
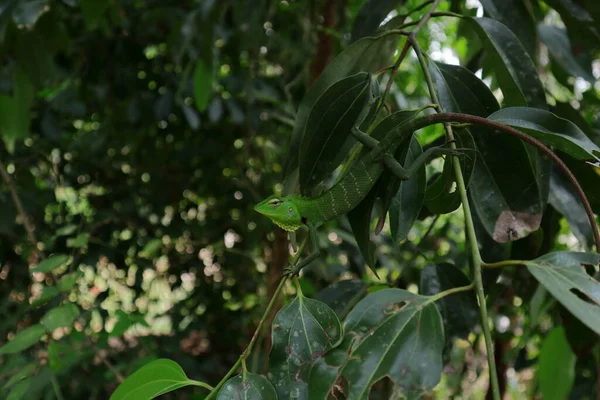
(291, 271)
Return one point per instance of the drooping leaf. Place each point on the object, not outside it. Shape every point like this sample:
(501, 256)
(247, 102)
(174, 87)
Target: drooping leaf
(459, 311)
(384, 336)
(328, 127)
(550, 129)
(517, 17)
(516, 72)
(248, 387)
(203, 79)
(59, 317)
(406, 204)
(565, 277)
(355, 58)
(302, 332)
(564, 200)
(360, 222)
(153, 379)
(342, 296)
(24, 339)
(556, 366)
(51, 263)
(558, 44)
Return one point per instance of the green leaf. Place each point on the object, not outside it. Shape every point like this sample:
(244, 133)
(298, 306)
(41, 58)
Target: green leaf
(556, 366)
(391, 333)
(151, 249)
(248, 387)
(302, 332)
(565, 277)
(460, 311)
(50, 264)
(558, 44)
(78, 241)
(203, 79)
(62, 358)
(328, 127)
(25, 372)
(60, 317)
(516, 72)
(27, 12)
(342, 296)
(69, 281)
(152, 380)
(360, 222)
(406, 204)
(32, 387)
(550, 129)
(19, 390)
(517, 17)
(372, 13)
(126, 321)
(93, 11)
(15, 110)
(48, 293)
(24, 339)
(355, 58)
(565, 201)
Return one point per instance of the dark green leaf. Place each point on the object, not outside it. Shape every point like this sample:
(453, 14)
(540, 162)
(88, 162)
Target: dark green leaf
(93, 11)
(565, 277)
(25, 372)
(153, 379)
(516, 73)
(48, 293)
(406, 204)
(460, 311)
(24, 339)
(50, 264)
(342, 296)
(203, 78)
(248, 387)
(302, 332)
(550, 129)
(15, 110)
(19, 391)
(355, 58)
(329, 125)
(385, 334)
(61, 356)
(59, 317)
(558, 44)
(370, 17)
(517, 17)
(360, 222)
(27, 12)
(556, 366)
(564, 200)
(32, 387)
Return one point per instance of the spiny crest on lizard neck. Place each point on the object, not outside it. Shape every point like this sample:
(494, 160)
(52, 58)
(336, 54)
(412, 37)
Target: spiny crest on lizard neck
(281, 210)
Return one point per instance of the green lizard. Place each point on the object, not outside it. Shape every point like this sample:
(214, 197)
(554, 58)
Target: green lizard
(293, 211)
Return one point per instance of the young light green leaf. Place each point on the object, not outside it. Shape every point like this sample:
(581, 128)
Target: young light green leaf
(248, 387)
(329, 125)
(384, 334)
(153, 379)
(24, 339)
(558, 44)
(556, 366)
(550, 129)
(302, 332)
(565, 277)
(516, 72)
(202, 85)
(51, 263)
(60, 317)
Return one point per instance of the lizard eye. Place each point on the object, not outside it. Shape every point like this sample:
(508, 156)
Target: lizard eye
(275, 202)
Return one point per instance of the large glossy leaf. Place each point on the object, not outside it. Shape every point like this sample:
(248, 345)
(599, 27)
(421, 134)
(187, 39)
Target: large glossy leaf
(153, 379)
(329, 125)
(550, 129)
(558, 44)
(248, 387)
(60, 317)
(302, 332)
(391, 333)
(516, 73)
(459, 311)
(407, 201)
(564, 200)
(24, 339)
(556, 366)
(565, 277)
(342, 296)
(355, 58)
(517, 17)
(51, 263)
(370, 17)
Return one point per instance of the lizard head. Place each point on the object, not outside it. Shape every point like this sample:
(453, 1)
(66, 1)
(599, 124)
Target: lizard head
(281, 210)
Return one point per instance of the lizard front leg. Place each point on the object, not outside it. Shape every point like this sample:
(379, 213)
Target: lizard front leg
(294, 270)
(406, 173)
